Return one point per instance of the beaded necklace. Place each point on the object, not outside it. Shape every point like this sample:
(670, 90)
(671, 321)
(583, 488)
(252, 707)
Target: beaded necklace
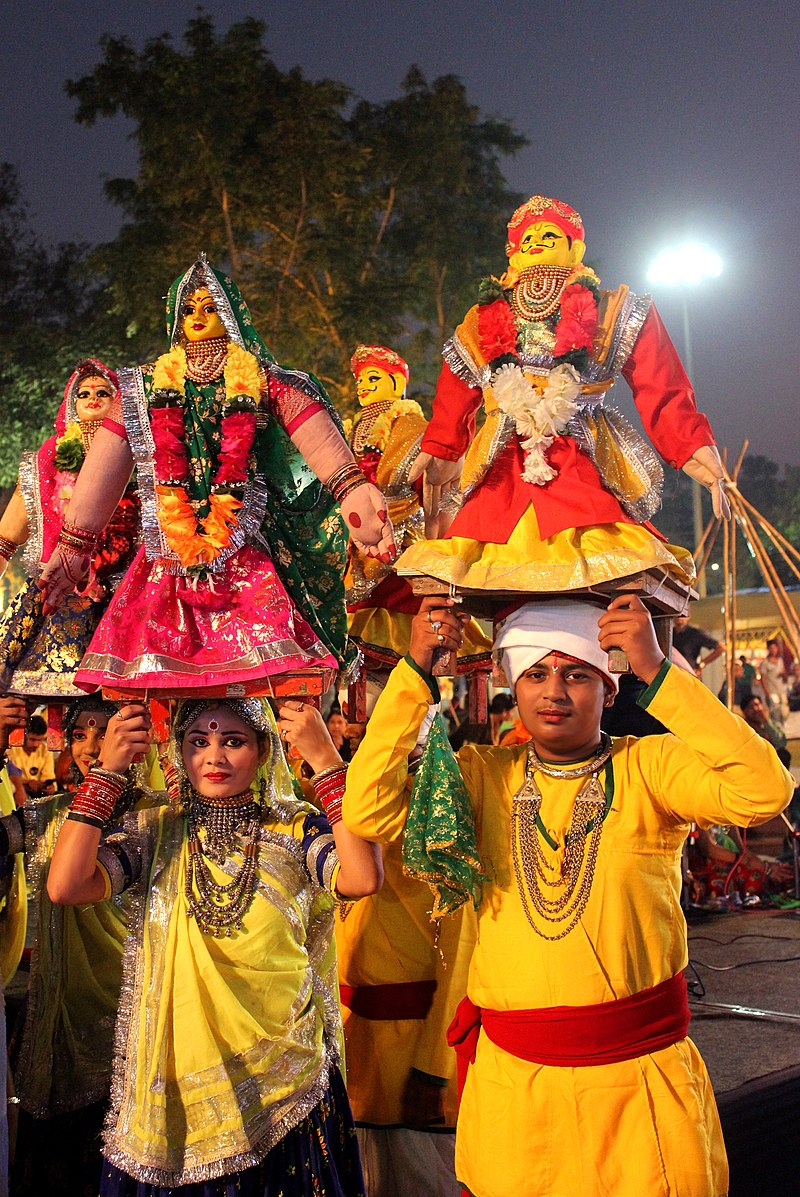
(537, 293)
(205, 360)
(534, 876)
(219, 909)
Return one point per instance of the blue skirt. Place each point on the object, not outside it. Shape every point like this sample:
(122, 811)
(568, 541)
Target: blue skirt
(317, 1158)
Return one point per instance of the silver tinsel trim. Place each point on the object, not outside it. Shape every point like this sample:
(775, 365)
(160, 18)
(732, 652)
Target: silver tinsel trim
(461, 362)
(627, 329)
(140, 439)
(29, 489)
(296, 379)
(505, 429)
(200, 274)
(639, 455)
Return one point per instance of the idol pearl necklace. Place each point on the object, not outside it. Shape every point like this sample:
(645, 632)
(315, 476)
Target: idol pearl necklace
(572, 883)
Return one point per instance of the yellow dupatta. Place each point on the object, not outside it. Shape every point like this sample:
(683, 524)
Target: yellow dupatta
(223, 1044)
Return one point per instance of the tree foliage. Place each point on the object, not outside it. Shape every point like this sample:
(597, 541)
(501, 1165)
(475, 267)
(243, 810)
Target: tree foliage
(342, 221)
(44, 309)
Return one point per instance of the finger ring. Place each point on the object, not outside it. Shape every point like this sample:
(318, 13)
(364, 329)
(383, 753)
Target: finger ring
(120, 715)
(440, 638)
(430, 621)
(436, 624)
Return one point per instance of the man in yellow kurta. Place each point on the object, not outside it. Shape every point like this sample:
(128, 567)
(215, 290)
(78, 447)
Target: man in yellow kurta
(596, 1089)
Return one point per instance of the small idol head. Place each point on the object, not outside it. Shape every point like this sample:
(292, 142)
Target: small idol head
(94, 397)
(200, 320)
(374, 385)
(380, 374)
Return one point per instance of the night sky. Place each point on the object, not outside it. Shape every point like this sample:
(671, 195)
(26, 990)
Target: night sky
(657, 121)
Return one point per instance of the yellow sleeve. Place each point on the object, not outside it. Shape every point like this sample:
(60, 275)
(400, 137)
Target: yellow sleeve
(376, 799)
(714, 768)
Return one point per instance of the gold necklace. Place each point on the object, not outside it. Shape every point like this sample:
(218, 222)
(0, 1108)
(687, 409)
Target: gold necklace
(205, 360)
(365, 424)
(574, 879)
(537, 292)
(88, 429)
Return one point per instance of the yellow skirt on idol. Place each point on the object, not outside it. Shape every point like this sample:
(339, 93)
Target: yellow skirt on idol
(570, 560)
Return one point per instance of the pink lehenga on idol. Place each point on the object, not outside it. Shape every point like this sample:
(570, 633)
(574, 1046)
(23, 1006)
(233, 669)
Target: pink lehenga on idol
(39, 656)
(241, 464)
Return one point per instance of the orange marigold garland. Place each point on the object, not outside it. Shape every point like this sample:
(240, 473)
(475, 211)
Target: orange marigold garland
(198, 542)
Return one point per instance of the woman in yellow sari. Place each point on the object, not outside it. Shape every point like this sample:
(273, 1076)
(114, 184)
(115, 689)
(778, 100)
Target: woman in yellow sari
(62, 1067)
(227, 1068)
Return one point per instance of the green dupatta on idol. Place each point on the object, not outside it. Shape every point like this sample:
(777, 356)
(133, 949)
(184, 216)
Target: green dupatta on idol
(303, 530)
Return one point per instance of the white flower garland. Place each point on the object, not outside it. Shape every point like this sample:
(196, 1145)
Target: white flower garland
(539, 418)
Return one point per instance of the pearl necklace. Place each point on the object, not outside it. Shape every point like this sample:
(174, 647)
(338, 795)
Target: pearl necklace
(537, 292)
(205, 360)
(364, 425)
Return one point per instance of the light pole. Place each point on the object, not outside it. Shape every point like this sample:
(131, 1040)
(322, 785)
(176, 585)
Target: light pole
(685, 266)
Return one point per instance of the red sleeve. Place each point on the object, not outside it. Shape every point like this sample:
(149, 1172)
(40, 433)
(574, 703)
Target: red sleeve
(663, 395)
(452, 424)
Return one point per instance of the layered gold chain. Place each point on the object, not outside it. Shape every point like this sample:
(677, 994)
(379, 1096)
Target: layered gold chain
(573, 880)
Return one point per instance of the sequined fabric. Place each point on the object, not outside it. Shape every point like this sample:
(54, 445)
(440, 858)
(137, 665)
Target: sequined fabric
(439, 842)
(163, 632)
(317, 1158)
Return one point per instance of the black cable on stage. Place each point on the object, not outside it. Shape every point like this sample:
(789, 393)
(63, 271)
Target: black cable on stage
(756, 935)
(726, 968)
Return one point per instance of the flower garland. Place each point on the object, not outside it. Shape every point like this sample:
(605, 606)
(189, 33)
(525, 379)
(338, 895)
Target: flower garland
(198, 542)
(67, 459)
(540, 413)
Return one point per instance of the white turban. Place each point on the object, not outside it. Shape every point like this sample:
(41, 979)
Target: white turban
(565, 625)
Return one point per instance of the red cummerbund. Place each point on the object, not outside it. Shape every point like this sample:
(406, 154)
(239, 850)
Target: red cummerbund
(405, 999)
(578, 1036)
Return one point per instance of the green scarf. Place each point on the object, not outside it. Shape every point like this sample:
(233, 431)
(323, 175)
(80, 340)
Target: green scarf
(439, 843)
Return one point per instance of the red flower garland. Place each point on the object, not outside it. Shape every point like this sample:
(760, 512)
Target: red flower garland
(238, 433)
(169, 439)
(578, 323)
(497, 330)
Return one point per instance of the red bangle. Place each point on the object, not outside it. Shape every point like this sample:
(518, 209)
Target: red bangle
(7, 548)
(98, 794)
(329, 791)
(345, 480)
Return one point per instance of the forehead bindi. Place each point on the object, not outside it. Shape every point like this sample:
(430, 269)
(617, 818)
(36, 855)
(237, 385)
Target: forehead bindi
(219, 725)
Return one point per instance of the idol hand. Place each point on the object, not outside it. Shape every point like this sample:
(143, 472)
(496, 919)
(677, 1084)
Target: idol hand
(706, 468)
(364, 511)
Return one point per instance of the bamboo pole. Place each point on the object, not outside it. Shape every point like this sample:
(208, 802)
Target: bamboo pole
(774, 583)
(728, 630)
